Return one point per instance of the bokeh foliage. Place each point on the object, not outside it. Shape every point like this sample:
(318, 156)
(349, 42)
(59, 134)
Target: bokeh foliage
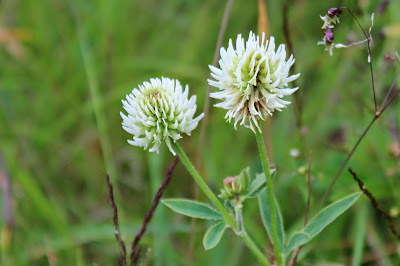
(65, 66)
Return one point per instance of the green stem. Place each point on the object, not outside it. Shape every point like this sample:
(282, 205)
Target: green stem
(264, 160)
(252, 246)
(227, 217)
(189, 166)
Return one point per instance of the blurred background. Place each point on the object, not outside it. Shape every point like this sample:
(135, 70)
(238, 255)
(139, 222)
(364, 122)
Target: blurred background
(66, 65)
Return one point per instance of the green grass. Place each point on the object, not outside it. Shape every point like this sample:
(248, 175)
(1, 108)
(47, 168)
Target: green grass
(60, 129)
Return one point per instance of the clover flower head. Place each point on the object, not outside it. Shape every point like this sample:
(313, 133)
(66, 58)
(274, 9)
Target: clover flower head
(159, 111)
(252, 79)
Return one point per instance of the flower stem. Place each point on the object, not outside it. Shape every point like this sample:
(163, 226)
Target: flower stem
(189, 166)
(227, 217)
(264, 160)
(239, 219)
(252, 246)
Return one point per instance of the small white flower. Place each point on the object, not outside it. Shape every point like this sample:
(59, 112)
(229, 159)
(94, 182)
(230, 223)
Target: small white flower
(159, 111)
(252, 79)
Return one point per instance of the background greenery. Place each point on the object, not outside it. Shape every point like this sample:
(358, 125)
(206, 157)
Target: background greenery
(66, 65)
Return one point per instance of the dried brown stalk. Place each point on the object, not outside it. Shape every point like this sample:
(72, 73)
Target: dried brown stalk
(375, 204)
(135, 250)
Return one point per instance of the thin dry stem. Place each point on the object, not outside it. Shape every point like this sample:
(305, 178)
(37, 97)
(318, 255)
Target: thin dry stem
(376, 116)
(390, 90)
(135, 250)
(375, 204)
(369, 56)
(347, 160)
(121, 243)
(390, 101)
(263, 25)
(372, 73)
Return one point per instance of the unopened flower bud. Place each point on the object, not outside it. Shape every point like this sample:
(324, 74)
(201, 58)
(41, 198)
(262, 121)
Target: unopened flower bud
(334, 12)
(328, 37)
(234, 186)
(229, 182)
(331, 17)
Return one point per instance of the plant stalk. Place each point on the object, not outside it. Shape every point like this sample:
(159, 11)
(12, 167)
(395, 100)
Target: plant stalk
(189, 166)
(253, 248)
(347, 160)
(265, 164)
(227, 217)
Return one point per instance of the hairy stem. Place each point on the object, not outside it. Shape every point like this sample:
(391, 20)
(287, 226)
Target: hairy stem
(239, 219)
(264, 160)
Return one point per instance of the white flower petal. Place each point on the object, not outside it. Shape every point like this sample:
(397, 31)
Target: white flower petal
(159, 111)
(251, 80)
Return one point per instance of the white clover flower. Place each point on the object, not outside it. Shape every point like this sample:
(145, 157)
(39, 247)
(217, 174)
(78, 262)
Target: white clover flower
(159, 111)
(252, 80)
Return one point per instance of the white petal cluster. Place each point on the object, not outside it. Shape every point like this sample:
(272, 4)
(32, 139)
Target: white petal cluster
(159, 111)
(252, 79)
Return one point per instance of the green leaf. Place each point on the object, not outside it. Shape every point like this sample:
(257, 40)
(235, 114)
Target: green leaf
(263, 202)
(258, 184)
(320, 221)
(360, 227)
(192, 209)
(214, 235)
